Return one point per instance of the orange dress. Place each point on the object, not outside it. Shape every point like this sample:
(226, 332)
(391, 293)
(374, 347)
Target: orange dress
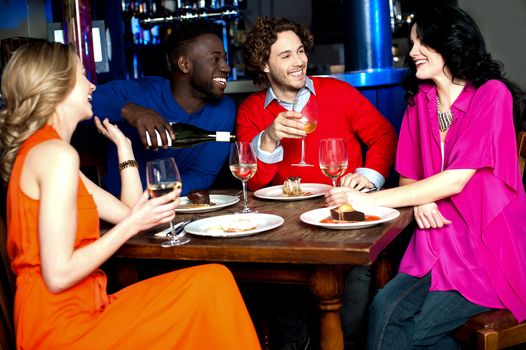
(194, 308)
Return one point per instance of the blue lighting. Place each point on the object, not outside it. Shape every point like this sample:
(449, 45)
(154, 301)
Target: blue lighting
(13, 14)
(367, 35)
(373, 77)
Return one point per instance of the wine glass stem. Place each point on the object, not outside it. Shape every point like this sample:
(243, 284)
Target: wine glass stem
(245, 201)
(303, 149)
(173, 237)
(334, 179)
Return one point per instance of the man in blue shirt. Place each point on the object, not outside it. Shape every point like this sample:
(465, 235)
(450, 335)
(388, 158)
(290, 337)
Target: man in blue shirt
(193, 95)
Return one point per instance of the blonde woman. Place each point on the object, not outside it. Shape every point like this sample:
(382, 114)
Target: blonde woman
(54, 243)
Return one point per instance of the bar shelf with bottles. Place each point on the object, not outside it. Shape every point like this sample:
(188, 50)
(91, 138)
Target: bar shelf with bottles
(148, 23)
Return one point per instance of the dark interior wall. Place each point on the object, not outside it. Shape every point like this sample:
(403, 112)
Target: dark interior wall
(23, 18)
(503, 24)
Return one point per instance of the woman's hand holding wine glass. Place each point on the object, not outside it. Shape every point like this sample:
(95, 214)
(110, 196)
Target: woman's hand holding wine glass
(243, 165)
(162, 177)
(333, 158)
(147, 213)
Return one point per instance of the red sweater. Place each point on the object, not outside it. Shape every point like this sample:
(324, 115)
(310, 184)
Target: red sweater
(342, 112)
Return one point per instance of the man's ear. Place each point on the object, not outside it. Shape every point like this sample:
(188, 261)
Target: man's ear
(265, 68)
(184, 64)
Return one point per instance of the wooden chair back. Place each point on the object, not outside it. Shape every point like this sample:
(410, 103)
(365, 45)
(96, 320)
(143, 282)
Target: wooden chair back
(492, 330)
(7, 293)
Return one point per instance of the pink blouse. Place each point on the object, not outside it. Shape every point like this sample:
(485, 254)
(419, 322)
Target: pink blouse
(482, 253)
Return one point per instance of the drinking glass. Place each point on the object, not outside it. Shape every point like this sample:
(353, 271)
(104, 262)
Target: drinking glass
(333, 158)
(243, 165)
(309, 118)
(162, 176)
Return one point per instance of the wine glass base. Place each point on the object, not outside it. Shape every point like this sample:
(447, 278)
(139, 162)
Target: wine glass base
(175, 242)
(302, 164)
(246, 211)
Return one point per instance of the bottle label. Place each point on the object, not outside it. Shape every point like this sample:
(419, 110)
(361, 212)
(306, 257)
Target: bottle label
(223, 136)
(158, 136)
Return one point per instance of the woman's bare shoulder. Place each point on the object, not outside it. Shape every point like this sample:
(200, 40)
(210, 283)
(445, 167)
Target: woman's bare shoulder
(51, 153)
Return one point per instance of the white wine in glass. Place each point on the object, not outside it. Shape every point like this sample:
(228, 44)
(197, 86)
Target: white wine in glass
(309, 118)
(333, 158)
(162, 177)
(243, 165)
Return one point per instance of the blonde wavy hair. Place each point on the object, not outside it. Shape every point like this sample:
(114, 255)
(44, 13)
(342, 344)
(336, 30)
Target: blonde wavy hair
(37, 77)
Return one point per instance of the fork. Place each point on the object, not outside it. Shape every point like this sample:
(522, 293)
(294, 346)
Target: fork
(177, 227)
(179, 230)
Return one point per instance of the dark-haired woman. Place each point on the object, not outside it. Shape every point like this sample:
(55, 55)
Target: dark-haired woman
(457, 158)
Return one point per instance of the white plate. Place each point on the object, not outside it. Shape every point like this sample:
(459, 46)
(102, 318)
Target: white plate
(314, 217)
(276, 192)
(263, 222)
(220, 200)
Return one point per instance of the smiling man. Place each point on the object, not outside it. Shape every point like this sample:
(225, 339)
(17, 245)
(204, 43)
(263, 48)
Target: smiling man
(276, 53)
(194, 94)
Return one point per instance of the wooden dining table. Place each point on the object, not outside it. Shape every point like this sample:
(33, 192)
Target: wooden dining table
(294, 252)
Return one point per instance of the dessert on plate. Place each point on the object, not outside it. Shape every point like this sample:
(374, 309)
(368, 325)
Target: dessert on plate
(291, 187)
(235, 225)
(198, 199)
(346, 212)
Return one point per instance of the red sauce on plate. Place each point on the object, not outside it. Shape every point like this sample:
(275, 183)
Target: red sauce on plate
(332, 221)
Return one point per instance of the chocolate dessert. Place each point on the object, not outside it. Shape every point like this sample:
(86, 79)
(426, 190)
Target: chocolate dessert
(346, 212)
(199, 197)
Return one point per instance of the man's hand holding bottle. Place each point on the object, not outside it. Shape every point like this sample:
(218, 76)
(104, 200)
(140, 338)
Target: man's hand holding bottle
(147, 121)
(155, 131)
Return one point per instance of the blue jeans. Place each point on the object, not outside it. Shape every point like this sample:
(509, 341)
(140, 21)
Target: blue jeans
(406, 315)
(355, 302)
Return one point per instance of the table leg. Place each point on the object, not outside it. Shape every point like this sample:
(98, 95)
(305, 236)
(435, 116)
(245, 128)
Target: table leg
(326, 283)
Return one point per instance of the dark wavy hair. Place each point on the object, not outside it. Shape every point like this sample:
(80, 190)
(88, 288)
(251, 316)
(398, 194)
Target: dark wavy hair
(260, 39)
(454, 34)
(183, 35)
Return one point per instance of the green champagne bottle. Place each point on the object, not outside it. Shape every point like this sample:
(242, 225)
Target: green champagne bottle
(190, 135)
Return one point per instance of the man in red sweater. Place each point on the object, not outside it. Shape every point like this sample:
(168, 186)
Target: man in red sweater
(276, 53)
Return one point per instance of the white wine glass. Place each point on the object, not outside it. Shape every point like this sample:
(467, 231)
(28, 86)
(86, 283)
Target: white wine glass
(333, 158)
(309, 119)
(243, 165)
(162, 176)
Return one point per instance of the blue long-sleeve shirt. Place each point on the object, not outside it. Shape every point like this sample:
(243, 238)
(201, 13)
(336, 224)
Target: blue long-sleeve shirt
(198, 165)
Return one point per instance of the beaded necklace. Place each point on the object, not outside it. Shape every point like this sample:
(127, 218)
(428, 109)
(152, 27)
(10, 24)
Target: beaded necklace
(444, 118)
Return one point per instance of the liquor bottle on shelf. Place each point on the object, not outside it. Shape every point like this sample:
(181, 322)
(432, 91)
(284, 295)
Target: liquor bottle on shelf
(189, 135)
(170, 5)
(135, 64)
(156, 39)
(136, 30)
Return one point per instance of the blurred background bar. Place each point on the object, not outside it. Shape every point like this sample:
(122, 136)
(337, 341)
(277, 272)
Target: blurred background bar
(363, 42)
(368, 35)
(350, 35)
(78, 32)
